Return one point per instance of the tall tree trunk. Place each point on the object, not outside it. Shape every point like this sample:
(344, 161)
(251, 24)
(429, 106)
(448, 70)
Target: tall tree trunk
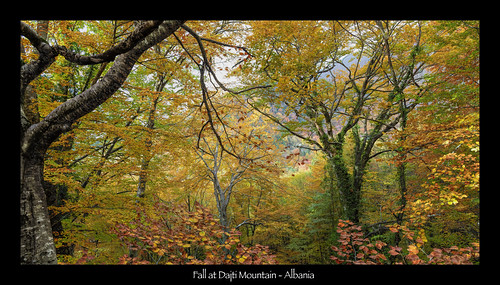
(349, 188)
(150, 125)
(343, 179)
(143, 174)
(329, 182)
(349, 185)
(401, 172)
(222, 195)
(37, 244)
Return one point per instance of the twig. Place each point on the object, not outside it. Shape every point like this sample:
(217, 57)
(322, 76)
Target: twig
(205, 65)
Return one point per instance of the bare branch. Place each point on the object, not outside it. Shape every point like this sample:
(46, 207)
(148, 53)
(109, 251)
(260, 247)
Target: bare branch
(207, 102)
(209, 68)
(227, 45)
(380, 152)
(274, 119)
(248, 222)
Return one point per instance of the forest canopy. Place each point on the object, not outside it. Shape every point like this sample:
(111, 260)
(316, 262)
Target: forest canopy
(249, 142)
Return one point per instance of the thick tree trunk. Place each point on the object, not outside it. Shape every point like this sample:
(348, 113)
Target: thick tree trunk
(349, 190)
(349, 185)
(343, 184)
(37, 244)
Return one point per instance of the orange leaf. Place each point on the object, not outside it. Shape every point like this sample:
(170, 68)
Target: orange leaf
(412, 249)
(393, 252)
(379, 244)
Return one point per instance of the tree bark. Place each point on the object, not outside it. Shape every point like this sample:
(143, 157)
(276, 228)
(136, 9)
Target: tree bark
(222, 195)
(37, 245)
(401, 173)
(150, 125)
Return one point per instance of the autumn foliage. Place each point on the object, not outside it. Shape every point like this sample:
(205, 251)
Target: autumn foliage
(253, 142)
(174, 235)
(354, 248)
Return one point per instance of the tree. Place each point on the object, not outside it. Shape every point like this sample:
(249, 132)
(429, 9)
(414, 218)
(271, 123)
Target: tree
(442, 137)
(164, 71)
(248, 141)
(362, 96)
(37, 245)
(222, 194)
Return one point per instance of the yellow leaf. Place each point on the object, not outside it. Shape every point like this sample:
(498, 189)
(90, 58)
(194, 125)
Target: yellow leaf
(412, 249)
(202, 234)
(186, 245)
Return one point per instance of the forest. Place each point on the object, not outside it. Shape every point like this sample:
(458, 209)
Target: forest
(249, 142)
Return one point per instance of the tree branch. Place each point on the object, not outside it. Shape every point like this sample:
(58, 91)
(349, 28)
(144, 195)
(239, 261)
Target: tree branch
(248, 222)
(274, 119)
(205, 65)
(226, 45)
(209, 68)
(61, 118)
(143, 29)
(378, 153)
(37, 41)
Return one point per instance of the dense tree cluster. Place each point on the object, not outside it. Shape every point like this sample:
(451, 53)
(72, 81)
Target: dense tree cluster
(249, 142)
